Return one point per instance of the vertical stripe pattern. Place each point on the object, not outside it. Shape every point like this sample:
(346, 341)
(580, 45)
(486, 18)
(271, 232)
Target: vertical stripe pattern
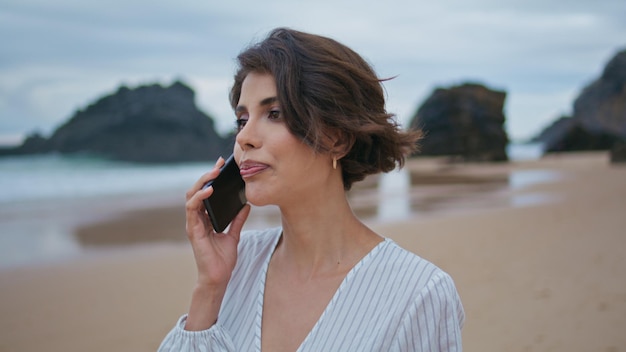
(392, 300)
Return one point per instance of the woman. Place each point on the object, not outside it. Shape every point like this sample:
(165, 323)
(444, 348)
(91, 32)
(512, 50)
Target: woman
(311, 121)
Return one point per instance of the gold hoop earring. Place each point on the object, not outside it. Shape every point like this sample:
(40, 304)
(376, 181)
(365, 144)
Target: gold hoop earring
(335, 163)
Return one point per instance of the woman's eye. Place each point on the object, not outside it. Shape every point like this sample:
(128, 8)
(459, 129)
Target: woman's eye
(274, 114)
(240, 123)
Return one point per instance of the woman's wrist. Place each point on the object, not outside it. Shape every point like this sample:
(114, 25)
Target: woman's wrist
(205, 306)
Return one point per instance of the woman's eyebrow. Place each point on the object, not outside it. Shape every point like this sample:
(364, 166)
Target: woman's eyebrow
(264, 102)
(268, 101)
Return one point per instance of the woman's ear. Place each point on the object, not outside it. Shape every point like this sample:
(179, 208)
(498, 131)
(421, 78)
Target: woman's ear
(341, 143)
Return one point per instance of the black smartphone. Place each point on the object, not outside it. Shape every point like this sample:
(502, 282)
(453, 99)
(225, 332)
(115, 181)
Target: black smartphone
(229, 195)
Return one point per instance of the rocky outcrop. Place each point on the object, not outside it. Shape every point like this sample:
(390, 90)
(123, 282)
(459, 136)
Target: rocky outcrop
(618, 152)
(599, 119)
(150, 123)
(567, 134)
(465, 121)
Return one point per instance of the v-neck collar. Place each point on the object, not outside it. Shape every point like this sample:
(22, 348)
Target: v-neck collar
(329, 306)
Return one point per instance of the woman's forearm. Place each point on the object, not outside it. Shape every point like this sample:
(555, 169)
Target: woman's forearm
(204, 308)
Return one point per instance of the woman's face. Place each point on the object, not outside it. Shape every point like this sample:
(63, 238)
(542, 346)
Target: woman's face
(277, 167)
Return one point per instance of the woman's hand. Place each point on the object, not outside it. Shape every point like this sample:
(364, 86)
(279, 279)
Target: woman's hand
(215, 253)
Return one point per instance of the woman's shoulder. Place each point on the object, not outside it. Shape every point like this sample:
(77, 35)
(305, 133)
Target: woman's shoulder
(424, 282)
(409, 269)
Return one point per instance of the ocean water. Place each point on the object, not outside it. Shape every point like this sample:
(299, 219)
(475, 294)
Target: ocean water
(524, 151)
(55, 177)
(42, 198)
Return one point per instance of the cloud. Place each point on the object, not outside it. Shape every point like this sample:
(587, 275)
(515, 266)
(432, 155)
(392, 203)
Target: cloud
(60, 56)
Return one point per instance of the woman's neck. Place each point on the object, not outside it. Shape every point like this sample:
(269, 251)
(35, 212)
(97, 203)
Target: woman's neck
(322, 236)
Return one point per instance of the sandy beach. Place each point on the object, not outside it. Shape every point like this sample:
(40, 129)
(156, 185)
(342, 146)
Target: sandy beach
(540, 266)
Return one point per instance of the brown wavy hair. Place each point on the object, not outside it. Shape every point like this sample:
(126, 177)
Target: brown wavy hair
(328, 92)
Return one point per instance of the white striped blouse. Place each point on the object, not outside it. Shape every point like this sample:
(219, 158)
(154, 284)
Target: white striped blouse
(392, 300)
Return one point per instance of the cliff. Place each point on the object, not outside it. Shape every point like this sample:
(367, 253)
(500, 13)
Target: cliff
(149, 123)
(465, 121)
(599, 118)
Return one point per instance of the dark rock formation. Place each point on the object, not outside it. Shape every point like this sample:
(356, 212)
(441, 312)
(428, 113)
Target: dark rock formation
(556, 130)
(567, 134)
(618, 152)
(601, 107)
(464, 121)
(147, 124)
(34, 143)
(599, 119)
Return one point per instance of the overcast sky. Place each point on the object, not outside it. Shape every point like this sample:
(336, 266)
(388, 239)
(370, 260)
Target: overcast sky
(59, 56)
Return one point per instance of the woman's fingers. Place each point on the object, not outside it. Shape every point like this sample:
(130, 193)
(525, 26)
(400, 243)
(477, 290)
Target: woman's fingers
(237, 224)
(196, 218)
(205, 178)
(196, 222)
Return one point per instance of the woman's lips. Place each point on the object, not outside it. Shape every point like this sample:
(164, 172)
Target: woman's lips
(251, 168)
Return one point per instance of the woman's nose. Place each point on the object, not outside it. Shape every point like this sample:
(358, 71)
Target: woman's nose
(247, 137)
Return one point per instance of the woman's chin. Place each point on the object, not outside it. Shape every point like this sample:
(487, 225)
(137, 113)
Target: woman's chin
(258, 200)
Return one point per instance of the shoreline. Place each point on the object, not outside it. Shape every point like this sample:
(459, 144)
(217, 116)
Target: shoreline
(434, 188)
(36, 233)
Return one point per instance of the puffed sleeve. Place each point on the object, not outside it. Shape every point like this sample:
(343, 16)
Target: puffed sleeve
(214, 339)
(434, 320)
